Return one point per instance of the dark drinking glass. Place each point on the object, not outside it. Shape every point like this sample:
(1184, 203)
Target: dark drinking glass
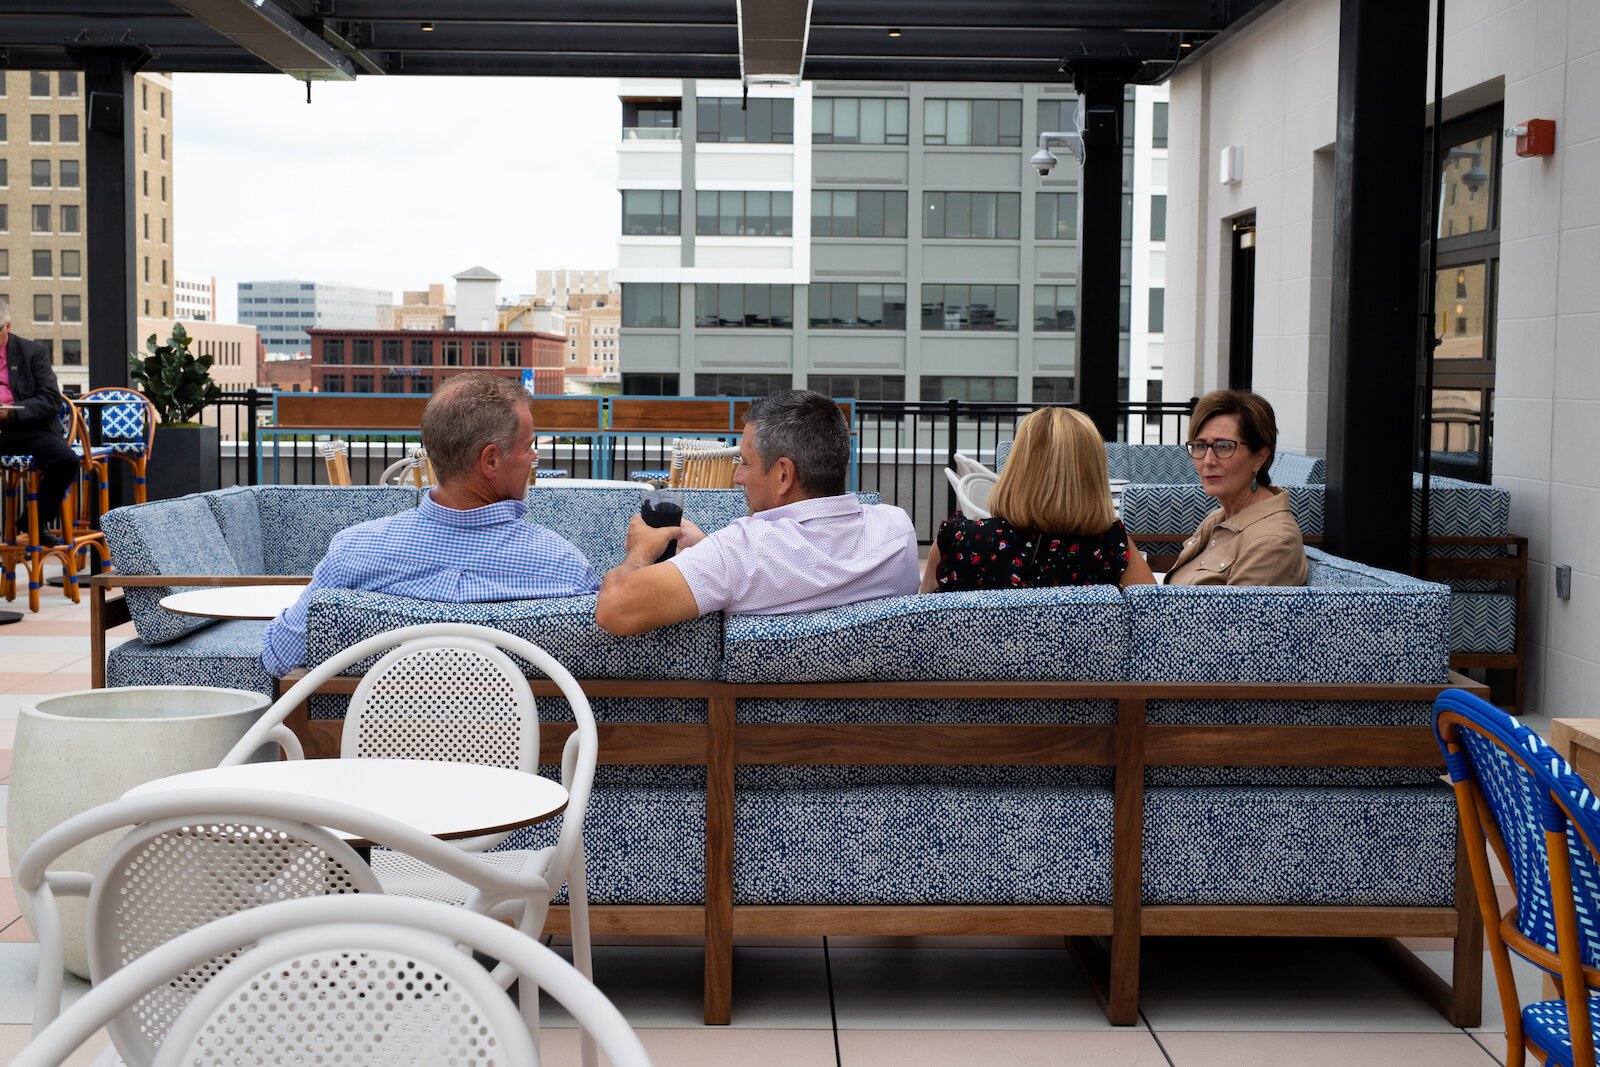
(663, 507)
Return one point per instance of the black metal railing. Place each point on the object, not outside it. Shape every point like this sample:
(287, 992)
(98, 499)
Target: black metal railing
(902, 447)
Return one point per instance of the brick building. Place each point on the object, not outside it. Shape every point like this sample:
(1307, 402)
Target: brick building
(415, 361)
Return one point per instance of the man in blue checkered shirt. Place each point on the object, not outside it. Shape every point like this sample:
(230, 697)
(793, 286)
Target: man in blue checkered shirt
(467, 540)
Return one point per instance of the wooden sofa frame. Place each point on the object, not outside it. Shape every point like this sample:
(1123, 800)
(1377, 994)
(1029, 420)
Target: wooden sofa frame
(1107, 937)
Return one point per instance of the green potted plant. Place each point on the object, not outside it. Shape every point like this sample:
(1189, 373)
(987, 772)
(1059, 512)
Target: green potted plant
(179, 384)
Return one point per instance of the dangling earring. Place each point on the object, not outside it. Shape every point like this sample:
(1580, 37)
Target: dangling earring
(1255, 480)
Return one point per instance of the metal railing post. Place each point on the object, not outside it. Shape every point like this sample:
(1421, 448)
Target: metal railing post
(251, 399)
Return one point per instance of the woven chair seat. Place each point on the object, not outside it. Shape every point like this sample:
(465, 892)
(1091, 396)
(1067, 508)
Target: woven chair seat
(16, 463)
(1546, 1023)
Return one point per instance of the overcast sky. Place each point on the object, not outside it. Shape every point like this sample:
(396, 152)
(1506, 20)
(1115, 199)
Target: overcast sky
(393, 182)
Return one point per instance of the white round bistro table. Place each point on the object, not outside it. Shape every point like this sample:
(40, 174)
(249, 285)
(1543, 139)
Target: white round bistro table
(444, 800)
(233, 601)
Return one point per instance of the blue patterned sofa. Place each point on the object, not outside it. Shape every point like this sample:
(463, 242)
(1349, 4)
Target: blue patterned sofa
(1470, 547)
(1082, 762)
(1170, 465)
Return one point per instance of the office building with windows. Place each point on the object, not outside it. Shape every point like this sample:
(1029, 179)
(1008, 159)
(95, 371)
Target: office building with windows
(416, 361)
(195, 298)
(282, 311)
(43, 214)
(881, 241)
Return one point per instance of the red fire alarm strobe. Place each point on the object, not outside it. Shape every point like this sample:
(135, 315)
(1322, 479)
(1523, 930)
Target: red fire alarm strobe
(1536, 137)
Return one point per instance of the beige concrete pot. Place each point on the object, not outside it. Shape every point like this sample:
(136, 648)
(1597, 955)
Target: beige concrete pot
(76, 751)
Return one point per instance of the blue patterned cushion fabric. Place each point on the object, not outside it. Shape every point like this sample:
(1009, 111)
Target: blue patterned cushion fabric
(1515, 770)
(239, 519)
(592, 518)
(165, 537)
(227, 654)
(1291, 468)
(1180, 509)
(927, 711)
(562, 626)
(1460, 509)
(304, 518)
(1545, 1023)
(1002, 452)
(1483, 622)
(1150, 464)
(1071, 632)
(1281, 845)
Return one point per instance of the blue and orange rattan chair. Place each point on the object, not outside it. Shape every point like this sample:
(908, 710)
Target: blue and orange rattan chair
(127, 432)
(19, 480)
(1516, 795)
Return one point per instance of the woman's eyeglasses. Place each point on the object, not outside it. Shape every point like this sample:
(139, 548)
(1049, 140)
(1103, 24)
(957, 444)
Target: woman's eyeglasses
(1222, 447)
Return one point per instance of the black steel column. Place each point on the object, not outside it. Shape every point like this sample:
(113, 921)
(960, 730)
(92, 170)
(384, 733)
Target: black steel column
(1101, 86)
(108, 190)
(1379, 166)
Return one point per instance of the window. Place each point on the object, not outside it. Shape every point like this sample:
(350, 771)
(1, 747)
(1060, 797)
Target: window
(144, 140)
(163, 187)
(730, 120)
(361, 383)
(650, 212)
(361, 351)
(650, 384)
(71, 307)
(163, 231)
(67, 83)
(163, 97)
(733, 213)
(333, 383)
(852, 305)
(649, 305)
(333, 350)
(42, 260)
(651, 119)
(144, 96)
(510, 353)
(3, 132)
(969, 307)
(163, 272)
(753, 306)
(38, 84)
(1158, 218)
(450, 353)
(1158, 125)
(1055, 307)
(144, 179)
(5, 263)
(146, 222)
(480, 353)
(71, 263)
(1057, 115)
(1055, 217)
(1158, 310)
(163, 146)
(67, 129)
(971, 215)
(146, 271)
(859, 386)
(972, 122)
(1125, 309)
(5, 168)
(393, 351)
(1051, 390)
(858, 120)
(69, 174)
(977, 389)
(41, 218)
(43, 308)
(39, 129)
(71, 353)
(740, 384)
(851, 213)
(39, 176)
(422, 383)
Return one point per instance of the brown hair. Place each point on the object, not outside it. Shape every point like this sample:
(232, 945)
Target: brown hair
(1055, 479)
(469, 412)
(1257, 424)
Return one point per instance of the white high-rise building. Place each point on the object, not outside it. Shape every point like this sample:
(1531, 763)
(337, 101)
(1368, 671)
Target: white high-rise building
(194, 297)
(281, 311)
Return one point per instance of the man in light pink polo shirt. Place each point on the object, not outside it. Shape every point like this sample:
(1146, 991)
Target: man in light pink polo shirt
(807, 544)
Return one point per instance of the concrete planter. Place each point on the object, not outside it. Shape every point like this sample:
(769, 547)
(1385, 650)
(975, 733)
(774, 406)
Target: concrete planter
(76, 751)
(184, 461)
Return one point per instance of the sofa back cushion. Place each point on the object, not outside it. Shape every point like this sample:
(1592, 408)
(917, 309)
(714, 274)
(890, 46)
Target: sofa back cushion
(1291, 468)
(1068, 633)
(1180, 509)
(1154, 464)
(299, 521)
(239, 518)
(165, 537)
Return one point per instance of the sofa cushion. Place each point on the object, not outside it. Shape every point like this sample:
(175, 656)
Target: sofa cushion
(299, 521)
(239, 518)
(1483, 622)
(562, 626)
(227, 654)
(1391, 847)
(1460, 509)
(1067, 633)
(1152, 464)
(1180, 509)
(165, 537)
(1292, 468)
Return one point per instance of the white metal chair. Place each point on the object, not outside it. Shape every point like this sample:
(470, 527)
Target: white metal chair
(373, 980)
(414, 469)
(194, 856)
(967, 465)
(972, 492)
(449, 691)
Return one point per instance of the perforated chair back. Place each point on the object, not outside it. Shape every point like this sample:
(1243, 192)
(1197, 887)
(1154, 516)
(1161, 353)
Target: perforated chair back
(349, 980)
(1518, 796)
(170, 876)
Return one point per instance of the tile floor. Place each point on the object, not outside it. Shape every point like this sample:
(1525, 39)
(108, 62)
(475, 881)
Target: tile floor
(873, 1001)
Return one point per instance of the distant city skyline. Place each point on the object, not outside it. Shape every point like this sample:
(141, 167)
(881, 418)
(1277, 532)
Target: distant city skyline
(392, 183)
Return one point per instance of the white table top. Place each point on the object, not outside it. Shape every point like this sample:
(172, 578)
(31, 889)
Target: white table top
(233, 601)
(444, 800)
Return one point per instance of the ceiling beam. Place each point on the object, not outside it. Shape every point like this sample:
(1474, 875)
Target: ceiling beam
(269, 32)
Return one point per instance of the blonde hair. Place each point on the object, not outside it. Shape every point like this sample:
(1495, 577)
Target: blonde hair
(1055, 480)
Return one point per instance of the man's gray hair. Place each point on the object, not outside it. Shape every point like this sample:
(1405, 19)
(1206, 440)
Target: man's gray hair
(810, 430)
(469, 412)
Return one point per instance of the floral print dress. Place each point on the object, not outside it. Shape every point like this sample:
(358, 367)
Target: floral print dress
(992, 554)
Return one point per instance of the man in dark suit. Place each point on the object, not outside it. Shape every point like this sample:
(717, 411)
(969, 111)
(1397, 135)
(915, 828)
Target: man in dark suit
(30, 423)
